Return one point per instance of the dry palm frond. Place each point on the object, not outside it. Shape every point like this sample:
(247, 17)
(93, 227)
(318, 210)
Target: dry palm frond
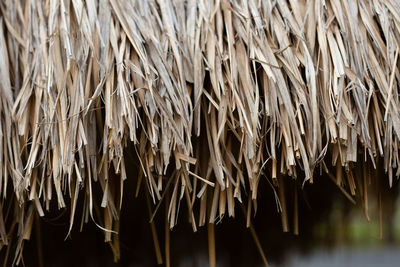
(224, 93)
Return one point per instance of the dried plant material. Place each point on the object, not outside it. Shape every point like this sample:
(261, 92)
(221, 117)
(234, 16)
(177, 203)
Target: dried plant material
(214, 97)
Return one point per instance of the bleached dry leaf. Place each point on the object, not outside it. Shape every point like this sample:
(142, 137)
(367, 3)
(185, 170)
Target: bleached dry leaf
(211, 95)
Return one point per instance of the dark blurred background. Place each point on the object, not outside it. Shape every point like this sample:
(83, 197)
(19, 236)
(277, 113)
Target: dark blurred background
(332, 232)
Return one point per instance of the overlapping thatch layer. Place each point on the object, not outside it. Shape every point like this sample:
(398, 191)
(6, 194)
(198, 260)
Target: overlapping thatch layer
(214, 96)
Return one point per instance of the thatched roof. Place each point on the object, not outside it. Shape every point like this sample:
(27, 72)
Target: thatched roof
(214, 98)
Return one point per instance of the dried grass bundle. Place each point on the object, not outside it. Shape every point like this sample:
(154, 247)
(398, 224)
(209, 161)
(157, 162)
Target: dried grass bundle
(214, 97)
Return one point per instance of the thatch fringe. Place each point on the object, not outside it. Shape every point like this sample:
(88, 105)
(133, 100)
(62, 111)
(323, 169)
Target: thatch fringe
(213, 96)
